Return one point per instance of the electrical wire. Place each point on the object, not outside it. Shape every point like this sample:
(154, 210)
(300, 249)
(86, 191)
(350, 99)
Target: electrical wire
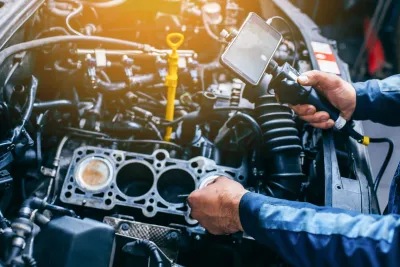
(40, 122)
(70, 16)
(53, 183)
(149, 98)
(155, 129)
(385, 162)
(174, 122)
(269, 21)
(82, 131)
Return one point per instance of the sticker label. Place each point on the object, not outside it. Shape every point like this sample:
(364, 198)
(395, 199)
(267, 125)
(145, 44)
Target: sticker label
(325, 58)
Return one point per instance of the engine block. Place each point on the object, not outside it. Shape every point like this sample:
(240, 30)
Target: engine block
(103, 178)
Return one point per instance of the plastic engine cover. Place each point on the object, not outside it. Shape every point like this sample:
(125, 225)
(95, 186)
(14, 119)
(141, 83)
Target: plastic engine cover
(71, 242)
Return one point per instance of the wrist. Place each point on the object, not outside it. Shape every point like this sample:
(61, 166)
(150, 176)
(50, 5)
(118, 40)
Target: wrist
(348, 112)
(235, 204)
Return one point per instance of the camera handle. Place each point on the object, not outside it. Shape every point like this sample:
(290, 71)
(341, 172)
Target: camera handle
(289, 91)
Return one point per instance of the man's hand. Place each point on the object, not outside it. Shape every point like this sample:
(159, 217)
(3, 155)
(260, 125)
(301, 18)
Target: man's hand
(216, 206)
(339, 92)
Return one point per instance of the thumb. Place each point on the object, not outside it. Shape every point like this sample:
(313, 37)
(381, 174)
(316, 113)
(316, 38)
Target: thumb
(312, 78)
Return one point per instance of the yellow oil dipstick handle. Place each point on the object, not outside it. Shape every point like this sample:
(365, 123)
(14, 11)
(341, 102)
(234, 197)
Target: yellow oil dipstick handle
(171, 80)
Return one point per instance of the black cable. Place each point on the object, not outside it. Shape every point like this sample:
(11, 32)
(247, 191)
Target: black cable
(149, 248)
(40, 122)
(9, 51)
(282, 187)
(29, 261)
(180, 119)
(291, 32)
(82, 131)
(149, 97)
(174, 122)
(155, 129)
(385, 162)
(269, 191)
(238, 117)
(234, 109)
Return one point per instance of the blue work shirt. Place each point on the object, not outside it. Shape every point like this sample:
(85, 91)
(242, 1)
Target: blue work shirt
(308, 235)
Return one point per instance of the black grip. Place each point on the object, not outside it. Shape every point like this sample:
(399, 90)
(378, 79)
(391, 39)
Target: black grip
(322, 104)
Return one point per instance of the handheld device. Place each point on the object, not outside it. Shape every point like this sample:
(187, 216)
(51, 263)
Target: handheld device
(250, 52)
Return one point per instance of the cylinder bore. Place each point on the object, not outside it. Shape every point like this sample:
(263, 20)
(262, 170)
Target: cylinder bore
(94, 173)
(175, 183)
(135, 179)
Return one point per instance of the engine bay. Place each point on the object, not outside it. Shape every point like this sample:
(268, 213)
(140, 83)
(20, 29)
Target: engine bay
(97, 151)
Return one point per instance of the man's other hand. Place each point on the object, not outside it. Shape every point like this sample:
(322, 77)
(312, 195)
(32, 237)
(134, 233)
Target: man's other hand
(339, 92)
(216, 206)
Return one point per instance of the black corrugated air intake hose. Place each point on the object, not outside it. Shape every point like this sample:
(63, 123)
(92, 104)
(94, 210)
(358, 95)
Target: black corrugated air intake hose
(282, 145)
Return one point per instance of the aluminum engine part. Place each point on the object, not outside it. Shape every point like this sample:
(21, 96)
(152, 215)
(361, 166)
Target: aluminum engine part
(166, 238)
(103, 178)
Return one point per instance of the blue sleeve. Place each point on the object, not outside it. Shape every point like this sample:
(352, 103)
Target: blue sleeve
(379, 101)
(307, 235)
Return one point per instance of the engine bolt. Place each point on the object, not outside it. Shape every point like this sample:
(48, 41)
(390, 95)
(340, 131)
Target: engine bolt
(197, 237)
(172, 236)
(124, 227)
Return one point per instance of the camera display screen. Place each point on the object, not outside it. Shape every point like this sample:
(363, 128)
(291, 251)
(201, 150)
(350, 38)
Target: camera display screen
(252, 49)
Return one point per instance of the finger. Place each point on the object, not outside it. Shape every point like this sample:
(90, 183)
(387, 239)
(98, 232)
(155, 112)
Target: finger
(303, 110)
(193, 197)
(318, 117)
(221, 179)
(324, 125)
(318, 79)
(194, 215)
(212, 182)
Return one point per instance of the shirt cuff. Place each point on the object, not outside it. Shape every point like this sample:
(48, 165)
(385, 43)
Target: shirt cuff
(366, 92)
(249, 211)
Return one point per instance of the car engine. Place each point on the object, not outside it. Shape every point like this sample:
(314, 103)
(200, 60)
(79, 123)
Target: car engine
(114, 111)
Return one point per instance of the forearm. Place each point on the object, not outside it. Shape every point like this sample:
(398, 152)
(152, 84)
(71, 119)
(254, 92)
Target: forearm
(307, 235)
(379, 101)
